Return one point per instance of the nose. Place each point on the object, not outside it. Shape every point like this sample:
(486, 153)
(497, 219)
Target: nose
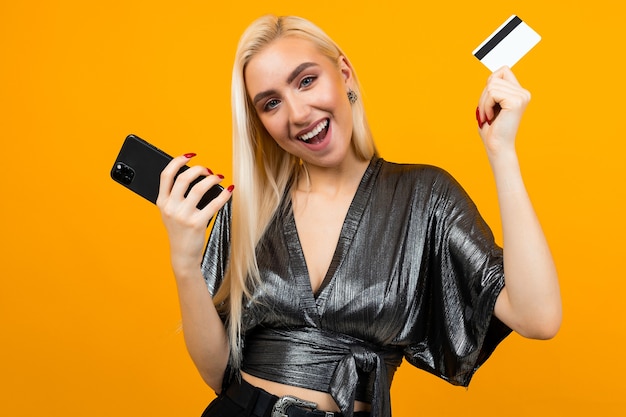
(299, 111)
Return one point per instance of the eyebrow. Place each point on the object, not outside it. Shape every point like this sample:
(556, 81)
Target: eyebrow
(292, 76)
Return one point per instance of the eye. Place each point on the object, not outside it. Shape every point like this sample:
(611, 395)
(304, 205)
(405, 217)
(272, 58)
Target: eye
(271, 104)
(307, 81)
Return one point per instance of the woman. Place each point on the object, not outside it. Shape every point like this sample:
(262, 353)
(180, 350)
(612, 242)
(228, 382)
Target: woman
(330, 265)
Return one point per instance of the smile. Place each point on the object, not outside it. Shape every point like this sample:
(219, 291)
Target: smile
(316, 131)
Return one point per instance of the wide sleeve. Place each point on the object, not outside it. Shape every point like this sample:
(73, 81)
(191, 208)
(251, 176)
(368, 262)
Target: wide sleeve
(464, 276)
(217, 249)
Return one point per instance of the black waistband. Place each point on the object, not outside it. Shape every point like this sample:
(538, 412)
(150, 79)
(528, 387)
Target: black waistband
(261, 402)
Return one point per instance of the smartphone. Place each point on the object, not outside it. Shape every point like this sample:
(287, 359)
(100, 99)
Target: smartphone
(138, 167)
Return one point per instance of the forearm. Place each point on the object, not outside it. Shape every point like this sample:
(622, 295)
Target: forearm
(531, 302)
(204, 332)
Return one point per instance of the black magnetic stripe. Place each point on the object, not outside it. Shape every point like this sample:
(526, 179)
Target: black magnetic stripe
(498, 37)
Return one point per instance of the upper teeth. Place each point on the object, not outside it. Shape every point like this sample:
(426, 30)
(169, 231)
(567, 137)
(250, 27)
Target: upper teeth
(321, 126)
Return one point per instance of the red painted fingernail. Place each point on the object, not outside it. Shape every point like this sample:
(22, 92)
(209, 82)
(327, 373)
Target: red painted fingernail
(210, 172)
(478, 117)
(189, 155)
(220, 176)
(231, 188)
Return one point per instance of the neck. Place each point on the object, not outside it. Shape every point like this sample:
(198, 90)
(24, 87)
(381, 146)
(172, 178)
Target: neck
(332, 180)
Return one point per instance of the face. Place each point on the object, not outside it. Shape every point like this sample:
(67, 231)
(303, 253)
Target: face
(300, 96)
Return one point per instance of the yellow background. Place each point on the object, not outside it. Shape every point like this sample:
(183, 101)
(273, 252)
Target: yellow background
(88, 307)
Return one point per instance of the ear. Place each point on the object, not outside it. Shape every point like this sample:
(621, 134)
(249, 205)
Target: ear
(346, 70)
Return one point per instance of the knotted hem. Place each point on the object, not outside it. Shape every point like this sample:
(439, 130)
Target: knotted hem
(324, 361)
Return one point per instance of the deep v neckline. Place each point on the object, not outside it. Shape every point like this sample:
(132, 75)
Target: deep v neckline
(297, 262)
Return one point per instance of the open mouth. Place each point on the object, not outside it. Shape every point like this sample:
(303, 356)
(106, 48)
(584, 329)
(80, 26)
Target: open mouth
(317, 134)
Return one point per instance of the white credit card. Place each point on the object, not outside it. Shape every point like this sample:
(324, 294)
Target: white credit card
(507, 44)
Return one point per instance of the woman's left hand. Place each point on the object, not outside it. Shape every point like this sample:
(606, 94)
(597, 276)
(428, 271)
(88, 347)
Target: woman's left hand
(500, 110)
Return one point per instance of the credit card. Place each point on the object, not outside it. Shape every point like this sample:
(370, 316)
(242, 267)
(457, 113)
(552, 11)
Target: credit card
(507, 44)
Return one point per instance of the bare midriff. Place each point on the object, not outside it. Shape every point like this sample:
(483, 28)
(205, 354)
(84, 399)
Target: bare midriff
(323, 400)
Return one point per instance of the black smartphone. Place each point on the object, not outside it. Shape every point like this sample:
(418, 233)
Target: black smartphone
(138, 167)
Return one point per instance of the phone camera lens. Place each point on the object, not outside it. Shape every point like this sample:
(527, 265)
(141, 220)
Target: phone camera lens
(123, 173)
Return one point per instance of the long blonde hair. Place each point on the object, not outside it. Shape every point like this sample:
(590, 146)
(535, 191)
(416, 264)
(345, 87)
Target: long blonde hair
(261, 169)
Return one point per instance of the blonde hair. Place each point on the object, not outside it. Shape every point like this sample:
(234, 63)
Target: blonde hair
(261, 169)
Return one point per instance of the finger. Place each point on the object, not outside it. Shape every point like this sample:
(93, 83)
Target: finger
(186, 179)
(509, 98)
(168, 175)
(481, 116)
(500, 94)
(200, 186)
(219, 201)
(504, 73)
(487, 101)
(495, 98)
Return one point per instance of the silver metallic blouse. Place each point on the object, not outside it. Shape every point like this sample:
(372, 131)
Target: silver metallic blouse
(415, 275)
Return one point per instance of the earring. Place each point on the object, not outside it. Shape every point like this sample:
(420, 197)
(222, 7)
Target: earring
(352, 97)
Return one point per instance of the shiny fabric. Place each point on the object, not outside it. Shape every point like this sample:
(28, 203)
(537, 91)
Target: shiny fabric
(415, 274)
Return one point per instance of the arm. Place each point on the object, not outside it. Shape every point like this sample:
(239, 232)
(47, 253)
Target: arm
(205, 336)
(530, 302)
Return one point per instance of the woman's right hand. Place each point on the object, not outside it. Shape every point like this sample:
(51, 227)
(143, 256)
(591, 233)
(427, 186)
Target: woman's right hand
(186, 226)
(185, 223)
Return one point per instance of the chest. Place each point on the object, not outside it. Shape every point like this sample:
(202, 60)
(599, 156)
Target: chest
(319, 221)
(360, 286)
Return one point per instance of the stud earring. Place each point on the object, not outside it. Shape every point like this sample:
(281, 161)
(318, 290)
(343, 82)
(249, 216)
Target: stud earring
(352, 97)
